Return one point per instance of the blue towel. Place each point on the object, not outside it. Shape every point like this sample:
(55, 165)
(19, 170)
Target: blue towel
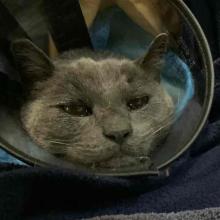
(7, 158)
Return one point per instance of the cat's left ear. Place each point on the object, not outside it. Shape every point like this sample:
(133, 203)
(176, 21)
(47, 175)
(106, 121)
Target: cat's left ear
(32, 63)
(153, 61)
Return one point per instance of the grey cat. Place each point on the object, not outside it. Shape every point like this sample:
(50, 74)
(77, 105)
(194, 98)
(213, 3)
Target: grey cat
(95, 108)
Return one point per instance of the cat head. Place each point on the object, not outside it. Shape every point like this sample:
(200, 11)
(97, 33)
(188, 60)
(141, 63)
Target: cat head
(95, 108)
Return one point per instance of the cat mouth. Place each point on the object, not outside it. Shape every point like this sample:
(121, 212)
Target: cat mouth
(117, 162)
(124, 162)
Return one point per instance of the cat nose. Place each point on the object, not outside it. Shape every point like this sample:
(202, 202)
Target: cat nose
(118, 136)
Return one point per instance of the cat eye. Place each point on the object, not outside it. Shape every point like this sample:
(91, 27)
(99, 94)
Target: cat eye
(138, 103)
(80, 110)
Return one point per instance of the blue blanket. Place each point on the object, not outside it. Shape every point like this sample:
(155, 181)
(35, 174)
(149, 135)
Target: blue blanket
(37, 193)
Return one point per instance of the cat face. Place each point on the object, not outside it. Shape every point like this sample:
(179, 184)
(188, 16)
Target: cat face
(95, 109)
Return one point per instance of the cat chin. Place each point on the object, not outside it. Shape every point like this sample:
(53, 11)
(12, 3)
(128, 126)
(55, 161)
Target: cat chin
(125, 162)
(118, 162)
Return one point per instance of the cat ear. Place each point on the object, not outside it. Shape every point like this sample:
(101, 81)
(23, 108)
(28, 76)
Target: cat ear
(153, 61)
(32, 63)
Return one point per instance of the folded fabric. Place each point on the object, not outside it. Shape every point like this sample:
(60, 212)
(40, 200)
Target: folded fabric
(7, 158)
(57, 194)
(209, 18)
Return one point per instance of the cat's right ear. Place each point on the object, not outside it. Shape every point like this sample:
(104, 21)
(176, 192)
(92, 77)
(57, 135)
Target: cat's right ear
(32, 63)
(153, 60)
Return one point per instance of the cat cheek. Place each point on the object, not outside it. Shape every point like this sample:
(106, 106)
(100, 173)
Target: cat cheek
(137, 146)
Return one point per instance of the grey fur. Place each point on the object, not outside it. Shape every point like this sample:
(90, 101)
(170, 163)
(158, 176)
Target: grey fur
(112, 136)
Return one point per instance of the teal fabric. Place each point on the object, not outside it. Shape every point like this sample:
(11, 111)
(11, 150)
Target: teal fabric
(114, 31)
(7, 158)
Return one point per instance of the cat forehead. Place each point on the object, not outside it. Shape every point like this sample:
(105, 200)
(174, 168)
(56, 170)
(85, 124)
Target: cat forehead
(106, 76)
(90, 61)
(86, 66)
(98, 80)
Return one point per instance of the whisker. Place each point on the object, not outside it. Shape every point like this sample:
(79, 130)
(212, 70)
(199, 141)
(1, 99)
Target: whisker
(168, 123)
(159, 129)
(55, 151)
(151, 117)
(57, 139)
(178, 99)
(58, 142)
